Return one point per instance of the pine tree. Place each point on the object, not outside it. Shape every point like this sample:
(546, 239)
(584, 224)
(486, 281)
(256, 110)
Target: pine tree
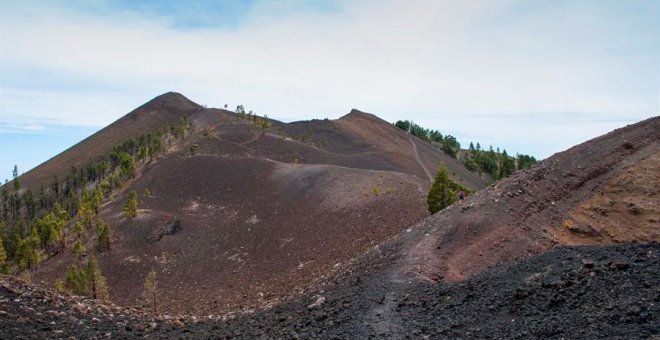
(442, 192)
(98, 288)
(105, 235)
(27, 250)
(4, 268)
(96, 199)
(78, 249)
(507, 165)
(14, 175)
(265, 124)
(76, 280)
(130, 208)
(101, 285)
(150, 288)
(71, 274)
(80, 230)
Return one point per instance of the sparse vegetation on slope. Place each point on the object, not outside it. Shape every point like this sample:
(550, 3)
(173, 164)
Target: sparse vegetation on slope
(448, 143)
(34, 228)
(492, 162)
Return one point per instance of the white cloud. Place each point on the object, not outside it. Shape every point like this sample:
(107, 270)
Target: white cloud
(441, 63)
(21, 128)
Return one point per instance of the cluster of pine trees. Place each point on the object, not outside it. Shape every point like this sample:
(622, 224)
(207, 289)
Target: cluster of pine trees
(447, 143)
(493, 162)
(86, 281)
(252, 116)
(63, 214)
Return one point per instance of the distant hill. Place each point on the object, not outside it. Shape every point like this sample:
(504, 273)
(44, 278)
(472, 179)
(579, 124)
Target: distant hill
(160, 111)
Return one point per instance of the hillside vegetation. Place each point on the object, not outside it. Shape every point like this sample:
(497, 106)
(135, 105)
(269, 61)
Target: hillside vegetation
(491, 162)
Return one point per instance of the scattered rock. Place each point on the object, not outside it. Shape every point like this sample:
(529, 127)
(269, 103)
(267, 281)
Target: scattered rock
(620, 265)
(317, 303)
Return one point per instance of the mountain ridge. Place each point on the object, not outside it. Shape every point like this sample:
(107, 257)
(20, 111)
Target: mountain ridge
(319, 228)
(250, 197)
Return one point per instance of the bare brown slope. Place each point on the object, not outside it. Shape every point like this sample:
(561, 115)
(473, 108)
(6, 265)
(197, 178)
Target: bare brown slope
(384, 147)
(253, 229)
(599, 192)
(156, 113)
(262, 214)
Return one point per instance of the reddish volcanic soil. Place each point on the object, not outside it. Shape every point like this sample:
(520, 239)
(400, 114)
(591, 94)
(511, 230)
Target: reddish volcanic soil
(600, 192)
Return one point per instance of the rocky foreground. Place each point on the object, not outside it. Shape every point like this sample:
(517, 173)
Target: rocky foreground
(570, 292)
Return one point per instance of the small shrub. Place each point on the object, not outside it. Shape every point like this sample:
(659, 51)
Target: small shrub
(78, 249)
(375, 190)
(25, 276)
(264, 123)
(146, 193)
(193, 149)
(59, 286)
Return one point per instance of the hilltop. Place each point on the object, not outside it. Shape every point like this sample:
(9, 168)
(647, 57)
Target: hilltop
(160, 111)
(245, 209)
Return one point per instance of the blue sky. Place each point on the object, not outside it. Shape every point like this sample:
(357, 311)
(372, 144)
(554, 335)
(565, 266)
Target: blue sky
(533, 77)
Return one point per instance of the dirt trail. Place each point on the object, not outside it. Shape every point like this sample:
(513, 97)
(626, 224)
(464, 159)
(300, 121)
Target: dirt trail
(390, 290)
(383, 317)
(249, 141)
(419, 161)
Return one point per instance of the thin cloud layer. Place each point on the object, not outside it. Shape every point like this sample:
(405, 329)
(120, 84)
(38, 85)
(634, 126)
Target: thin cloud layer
(500, 71)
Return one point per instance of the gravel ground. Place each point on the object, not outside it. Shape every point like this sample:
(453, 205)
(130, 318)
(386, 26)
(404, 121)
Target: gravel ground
(571, 292)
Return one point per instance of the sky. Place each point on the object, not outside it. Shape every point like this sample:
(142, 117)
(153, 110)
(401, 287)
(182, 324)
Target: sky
(531, 77)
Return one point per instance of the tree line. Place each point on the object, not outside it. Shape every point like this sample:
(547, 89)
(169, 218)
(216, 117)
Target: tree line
(492, 162)
(63, 215)
(447, 143)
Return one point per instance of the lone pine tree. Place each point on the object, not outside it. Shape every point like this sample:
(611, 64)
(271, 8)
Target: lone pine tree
(150, 288)
(442, 192)
(98, 288)
(130, 208)
(4, 268)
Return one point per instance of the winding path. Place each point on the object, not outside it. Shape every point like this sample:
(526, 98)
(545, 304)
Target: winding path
(419, 161)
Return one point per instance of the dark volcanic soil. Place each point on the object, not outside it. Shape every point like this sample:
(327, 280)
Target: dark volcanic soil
(571, 292)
